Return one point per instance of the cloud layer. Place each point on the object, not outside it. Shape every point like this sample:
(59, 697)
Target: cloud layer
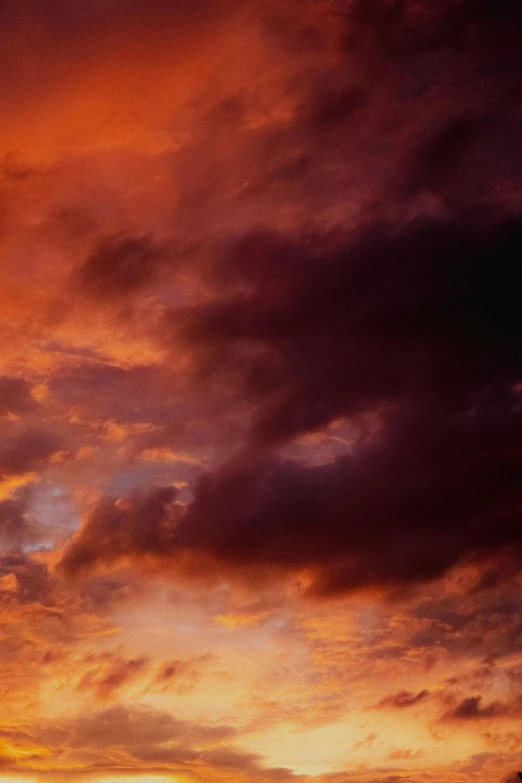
(260, 390)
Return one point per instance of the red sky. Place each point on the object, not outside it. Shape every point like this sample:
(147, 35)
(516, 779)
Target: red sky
(260, 377)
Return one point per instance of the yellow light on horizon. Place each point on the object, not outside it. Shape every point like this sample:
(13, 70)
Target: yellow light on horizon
(138, 779)
(17, 780)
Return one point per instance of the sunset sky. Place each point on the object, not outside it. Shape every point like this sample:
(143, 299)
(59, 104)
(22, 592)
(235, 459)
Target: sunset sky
(260, 391)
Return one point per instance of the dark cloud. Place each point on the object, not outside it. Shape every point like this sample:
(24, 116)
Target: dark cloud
(171, 670)
(141, 734)
(405, 508)
(118, 391)
(137, 727)
(174, 670)
(408, 319)
(347, 197)
(15, 395)
(334, 326)
(403, 27)
(27, 451)
(223, 758)
(472, 709)
(404, 699)
(119, 266)
(426, 107)
(419, 326)
(101, 591)
(483, 623)
(512, 777)
(32, 581)
(141, 523)
(443, 152)
(168, 416)
(229, 759)
(15, 527)
(107, 680)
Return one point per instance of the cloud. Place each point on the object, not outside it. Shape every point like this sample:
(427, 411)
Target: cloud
(137, 524)
(405, 26)
(27, 451)
(119, 266)
(140, 726)
(15, 527)
(15, 395)
(428, 308)
(472, 708)
(141, 736)
(182, 674)
(404, 508)
(481, 623)
(406, 311)
(413, 320)
(404, 699)
(106, 681)
(33, 581)
(278, 252)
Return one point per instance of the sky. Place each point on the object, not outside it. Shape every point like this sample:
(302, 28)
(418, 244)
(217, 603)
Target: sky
(260, 391)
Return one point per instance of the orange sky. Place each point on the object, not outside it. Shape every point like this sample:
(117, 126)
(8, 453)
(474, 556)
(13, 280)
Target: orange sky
(260, 391)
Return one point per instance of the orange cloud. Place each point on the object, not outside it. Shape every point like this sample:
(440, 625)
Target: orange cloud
(260, 391)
